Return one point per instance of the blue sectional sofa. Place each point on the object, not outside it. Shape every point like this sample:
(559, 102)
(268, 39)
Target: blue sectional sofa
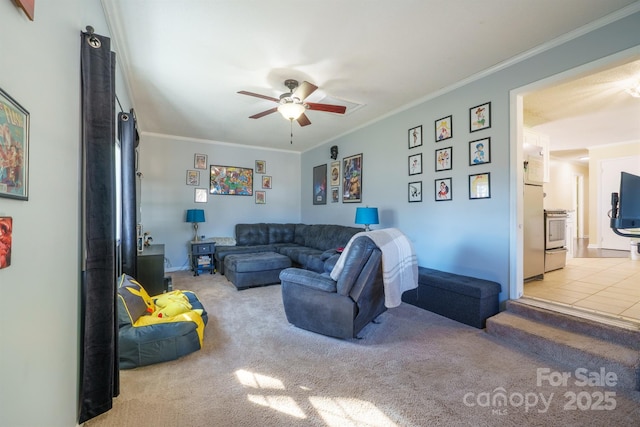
(308, 246)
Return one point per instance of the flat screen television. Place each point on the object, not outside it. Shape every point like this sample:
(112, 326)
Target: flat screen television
(626, 204)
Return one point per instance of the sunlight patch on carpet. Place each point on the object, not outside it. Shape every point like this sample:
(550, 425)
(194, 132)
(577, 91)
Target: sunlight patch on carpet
(347, 412)
(285, 404)
(253, 380)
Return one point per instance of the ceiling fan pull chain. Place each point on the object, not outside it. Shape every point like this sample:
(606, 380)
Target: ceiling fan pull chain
(291, 122)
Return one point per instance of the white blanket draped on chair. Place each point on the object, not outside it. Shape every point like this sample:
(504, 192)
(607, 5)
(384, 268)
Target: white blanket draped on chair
(399, 263)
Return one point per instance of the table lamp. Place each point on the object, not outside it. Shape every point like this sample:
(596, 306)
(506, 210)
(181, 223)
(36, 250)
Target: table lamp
(195, 216)
(367, 216)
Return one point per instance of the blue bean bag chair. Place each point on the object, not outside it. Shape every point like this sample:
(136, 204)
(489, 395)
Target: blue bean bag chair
(159, 328)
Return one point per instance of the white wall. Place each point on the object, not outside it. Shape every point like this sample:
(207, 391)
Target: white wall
(40, 63)
(165, 197)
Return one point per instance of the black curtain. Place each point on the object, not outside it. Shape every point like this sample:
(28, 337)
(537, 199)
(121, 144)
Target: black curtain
(128, 137)
(99, 380)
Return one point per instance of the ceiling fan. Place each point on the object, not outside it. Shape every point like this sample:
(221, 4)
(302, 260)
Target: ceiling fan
(292, 105)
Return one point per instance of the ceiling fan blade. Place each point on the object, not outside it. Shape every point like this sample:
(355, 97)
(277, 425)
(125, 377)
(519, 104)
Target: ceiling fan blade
(303, 120)
(257, 95)
(340, 109)
(264, 113)
(304, 90)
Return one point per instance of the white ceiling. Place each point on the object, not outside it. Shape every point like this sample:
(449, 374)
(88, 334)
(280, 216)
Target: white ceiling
(185, 60)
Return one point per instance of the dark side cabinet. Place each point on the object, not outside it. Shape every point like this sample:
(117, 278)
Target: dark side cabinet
(151, 269)
(202, 259)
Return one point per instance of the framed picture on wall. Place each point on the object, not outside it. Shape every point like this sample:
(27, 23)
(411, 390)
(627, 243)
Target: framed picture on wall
(14, 149)
(6, 230)
(320, 185)
(261, 166)
(480, 117)
(335, 173)
(230, 180)
(352, 179)
(480, 186)
(415, 137)
(335, 194)
(444, 128)
(415, 164)
(266, 182)
(201, 195)
(261, 197)
(479, 151)
(443, 159)
(193, 177)
(415, 191)
(200, 161)
(443, 189)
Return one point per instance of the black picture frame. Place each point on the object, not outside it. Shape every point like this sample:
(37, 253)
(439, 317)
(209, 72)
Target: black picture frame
(444, 159)
(319, 190)
(352, 179)
(14, 148)
(414, 191)
(443, 128)
(415, 164)
(230, 180)
(480, 117)
(443, 189)
(480, 151)
(480, 186)
(415, 137)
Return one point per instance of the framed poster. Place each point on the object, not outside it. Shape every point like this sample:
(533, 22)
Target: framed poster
(444, 128)
(266, 182)
(415, 191)
(261, 166)
(231, 180)
(443, 159)
(415, 164)
(480, 117)
(443, 189)
(6, 228)
(352, 179)
(480, 186)
(335, 173)
(261, 197)
(14, 149)
(200, 195)
(200, 161)
(415, 137)
(193, 177)
(479, 151)
(335, 194)
(320, 185)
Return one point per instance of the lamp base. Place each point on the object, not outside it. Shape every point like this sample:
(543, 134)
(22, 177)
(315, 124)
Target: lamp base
(196, 238)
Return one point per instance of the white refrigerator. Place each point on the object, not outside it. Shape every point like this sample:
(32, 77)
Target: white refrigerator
(533, 224)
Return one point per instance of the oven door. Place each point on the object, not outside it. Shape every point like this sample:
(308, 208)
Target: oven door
(555, 231)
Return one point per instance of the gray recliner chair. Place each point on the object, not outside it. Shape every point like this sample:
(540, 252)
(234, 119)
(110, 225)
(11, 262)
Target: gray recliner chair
(315, 302)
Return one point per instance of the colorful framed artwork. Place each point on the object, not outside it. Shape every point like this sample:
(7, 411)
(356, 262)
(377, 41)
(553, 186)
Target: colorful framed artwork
(6, 230)
(415, 191)
(335, 173)
(261, 166)
(480, 151)
(261, 197)
(415, 137)
(320, 185)
(14, 149)
(231, 181)
(352, 179)
(193, 177)
(444, 128)
(335, 194)
(480, 186)
(415, 164)
(201, 195)
(443, 189)
(200, 161)
(480, 117)
(266, 182)
(444, 159)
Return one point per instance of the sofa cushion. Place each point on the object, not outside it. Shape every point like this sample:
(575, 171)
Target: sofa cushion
(252, 234)
(281, 233)
(135, 299)
(261, 261)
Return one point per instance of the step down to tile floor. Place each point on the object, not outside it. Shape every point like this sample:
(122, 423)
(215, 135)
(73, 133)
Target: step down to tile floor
(570, 341)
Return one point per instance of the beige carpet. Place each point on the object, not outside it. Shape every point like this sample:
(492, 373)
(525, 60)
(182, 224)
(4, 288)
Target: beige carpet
(414, 368)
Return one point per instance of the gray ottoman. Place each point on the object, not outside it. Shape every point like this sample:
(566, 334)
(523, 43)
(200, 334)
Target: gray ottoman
(255, 269)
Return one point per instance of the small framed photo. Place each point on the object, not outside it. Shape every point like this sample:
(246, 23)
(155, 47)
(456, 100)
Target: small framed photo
(266, 182)
(480, 117)
(193, 177)
(261, 166)
(415, 164)
(335, 194)
(201, 195)
(415, 191)
(261, 197)
(443, 189)
(480, 186)
(200, 161)
(444, 159)
(444, 128)
(335, 173)
(6, 230)
(479, 151)
(415, 137)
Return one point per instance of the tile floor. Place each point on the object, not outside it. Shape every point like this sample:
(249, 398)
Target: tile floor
(606, 286)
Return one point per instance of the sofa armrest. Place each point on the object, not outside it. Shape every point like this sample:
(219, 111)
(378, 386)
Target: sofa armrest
(309, 279)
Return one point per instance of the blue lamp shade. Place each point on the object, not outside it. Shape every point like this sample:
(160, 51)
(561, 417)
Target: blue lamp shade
(367, 216)
(195, 215)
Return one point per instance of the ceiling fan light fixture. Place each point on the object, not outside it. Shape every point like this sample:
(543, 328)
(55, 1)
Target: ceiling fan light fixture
(291, 110)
